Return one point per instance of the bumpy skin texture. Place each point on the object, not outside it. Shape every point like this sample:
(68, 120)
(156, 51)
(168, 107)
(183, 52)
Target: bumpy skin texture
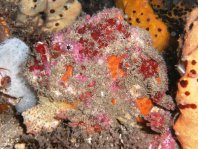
(50, 15)
(141, 14)
(107, 68)
(186, 126)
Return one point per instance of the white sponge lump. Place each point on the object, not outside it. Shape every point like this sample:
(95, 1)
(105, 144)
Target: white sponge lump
(13, 55)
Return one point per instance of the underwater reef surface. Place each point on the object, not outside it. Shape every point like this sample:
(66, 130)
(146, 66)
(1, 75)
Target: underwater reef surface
(174, 13)
(144, 116)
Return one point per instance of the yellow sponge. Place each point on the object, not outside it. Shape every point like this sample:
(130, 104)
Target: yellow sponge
(142, 15)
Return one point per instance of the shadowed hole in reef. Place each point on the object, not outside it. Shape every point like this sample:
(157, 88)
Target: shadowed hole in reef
(171, 58)
(93, 6)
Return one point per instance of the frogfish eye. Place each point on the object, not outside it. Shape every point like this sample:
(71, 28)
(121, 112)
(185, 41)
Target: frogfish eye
(69, 47)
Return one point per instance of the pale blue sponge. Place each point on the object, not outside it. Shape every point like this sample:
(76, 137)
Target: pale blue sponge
(13, 55)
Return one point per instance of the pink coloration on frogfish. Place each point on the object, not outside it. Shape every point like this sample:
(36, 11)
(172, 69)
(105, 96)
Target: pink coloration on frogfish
(168, 141)
(81, 77)
(103, 120)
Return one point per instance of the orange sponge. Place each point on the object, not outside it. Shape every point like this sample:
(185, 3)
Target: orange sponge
(142, 15)
(159, 4)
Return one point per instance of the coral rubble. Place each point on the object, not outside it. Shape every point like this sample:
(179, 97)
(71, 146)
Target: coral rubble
(9, 125)
(186, 126)
(10, 130)
(67, 137)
